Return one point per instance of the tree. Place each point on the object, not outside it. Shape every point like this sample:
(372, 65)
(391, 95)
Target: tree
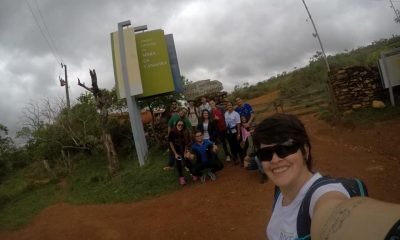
(103, 102)
(6, 149)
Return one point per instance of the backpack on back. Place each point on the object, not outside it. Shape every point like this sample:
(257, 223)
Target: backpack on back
(354, 186)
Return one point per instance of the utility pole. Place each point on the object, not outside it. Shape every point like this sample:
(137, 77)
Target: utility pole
(65, 83)
(328, 86)
(396, 12)
(317, 35)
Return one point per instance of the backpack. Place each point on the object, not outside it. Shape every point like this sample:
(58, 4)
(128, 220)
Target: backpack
(354, 186)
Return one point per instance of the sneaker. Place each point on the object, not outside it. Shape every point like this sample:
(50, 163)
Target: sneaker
(187, 169)
(182, 181)
(228, 159)
(212, 176)
(203, 178)
(195, 178)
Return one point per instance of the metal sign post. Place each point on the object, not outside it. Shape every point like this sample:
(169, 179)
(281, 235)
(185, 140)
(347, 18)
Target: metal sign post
(133, 110)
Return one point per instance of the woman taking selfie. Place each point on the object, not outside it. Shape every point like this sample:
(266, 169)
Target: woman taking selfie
(308, 205)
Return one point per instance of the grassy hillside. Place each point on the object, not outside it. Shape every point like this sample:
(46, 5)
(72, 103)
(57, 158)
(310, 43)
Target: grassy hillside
(312, 77)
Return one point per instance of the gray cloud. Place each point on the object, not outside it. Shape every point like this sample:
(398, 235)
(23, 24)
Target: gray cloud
(232, 41)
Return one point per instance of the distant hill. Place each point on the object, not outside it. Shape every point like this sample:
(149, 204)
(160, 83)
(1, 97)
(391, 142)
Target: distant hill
(312, 77)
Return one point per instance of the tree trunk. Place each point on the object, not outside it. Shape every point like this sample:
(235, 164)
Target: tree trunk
(101, 103)
(112, 157)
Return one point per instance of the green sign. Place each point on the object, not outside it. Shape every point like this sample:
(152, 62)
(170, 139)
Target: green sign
(155, 69)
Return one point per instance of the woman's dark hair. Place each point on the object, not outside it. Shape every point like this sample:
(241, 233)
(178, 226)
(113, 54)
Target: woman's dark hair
(197, 131)
(280, 128)
(180, 120)
(209, 115)
(183, 134)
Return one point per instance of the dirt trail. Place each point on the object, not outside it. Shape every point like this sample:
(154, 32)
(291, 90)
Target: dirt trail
(235, 206)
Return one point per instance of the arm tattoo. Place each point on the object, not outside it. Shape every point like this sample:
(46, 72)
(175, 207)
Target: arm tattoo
(339, 215)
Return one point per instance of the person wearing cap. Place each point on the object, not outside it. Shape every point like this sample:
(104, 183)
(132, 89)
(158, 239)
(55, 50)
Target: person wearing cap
(284, 150)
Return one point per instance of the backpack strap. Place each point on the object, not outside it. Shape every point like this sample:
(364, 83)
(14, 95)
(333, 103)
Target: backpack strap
(277, 191)
(355, 187)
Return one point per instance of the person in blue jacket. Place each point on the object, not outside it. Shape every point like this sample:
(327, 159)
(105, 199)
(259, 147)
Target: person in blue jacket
(205, 153)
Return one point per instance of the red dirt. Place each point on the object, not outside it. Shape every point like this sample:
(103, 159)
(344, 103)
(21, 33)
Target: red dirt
(236, 206)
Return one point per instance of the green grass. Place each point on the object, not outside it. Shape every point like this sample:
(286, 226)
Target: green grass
(88, 184)
(20, 210)
(370, 115)
(91, 184)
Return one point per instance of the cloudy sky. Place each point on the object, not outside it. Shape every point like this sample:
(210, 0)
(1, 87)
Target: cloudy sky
(233, 41)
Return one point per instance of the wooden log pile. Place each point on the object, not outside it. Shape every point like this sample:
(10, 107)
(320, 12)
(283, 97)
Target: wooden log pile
(355, 87)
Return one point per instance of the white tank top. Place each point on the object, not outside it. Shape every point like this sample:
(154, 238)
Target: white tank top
(283, 222)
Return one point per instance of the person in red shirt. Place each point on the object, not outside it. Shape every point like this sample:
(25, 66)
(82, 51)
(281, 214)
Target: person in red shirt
(218, 117)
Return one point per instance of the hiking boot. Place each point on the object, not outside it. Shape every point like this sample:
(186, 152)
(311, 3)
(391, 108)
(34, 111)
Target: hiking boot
(263, 178)
(203, 178)
(228, 159)
(212, 176)
(182, 181)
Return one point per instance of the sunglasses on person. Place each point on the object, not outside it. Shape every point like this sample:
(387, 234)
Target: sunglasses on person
(282, 150)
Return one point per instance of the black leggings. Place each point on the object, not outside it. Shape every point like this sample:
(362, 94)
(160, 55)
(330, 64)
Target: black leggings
(212, 163)
(221, 137)
(179, 167)
(235, 146)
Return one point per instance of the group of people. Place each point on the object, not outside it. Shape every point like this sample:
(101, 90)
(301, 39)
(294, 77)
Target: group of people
(307, 205)
(217, 124)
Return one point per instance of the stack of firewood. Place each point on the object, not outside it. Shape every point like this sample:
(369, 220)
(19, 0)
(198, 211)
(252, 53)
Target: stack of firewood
(355, 87)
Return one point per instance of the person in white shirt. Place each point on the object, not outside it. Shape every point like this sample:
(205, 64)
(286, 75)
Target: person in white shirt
(204, 105)
(232, 120)
(193, 114)
(284, 150)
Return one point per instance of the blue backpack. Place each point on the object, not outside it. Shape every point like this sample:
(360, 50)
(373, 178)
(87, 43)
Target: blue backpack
(355, 187)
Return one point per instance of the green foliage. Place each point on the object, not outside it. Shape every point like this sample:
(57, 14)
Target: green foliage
(247, 91)
(7, 149)
(369, 115)
(26, 204)
(91, 183)
(313, 77)
(163, 100)
(21, 198)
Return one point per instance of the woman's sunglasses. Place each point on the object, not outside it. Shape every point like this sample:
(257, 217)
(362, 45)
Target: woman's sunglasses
(282, 150)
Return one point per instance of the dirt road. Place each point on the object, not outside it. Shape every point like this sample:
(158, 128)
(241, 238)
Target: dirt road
(236, 206)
